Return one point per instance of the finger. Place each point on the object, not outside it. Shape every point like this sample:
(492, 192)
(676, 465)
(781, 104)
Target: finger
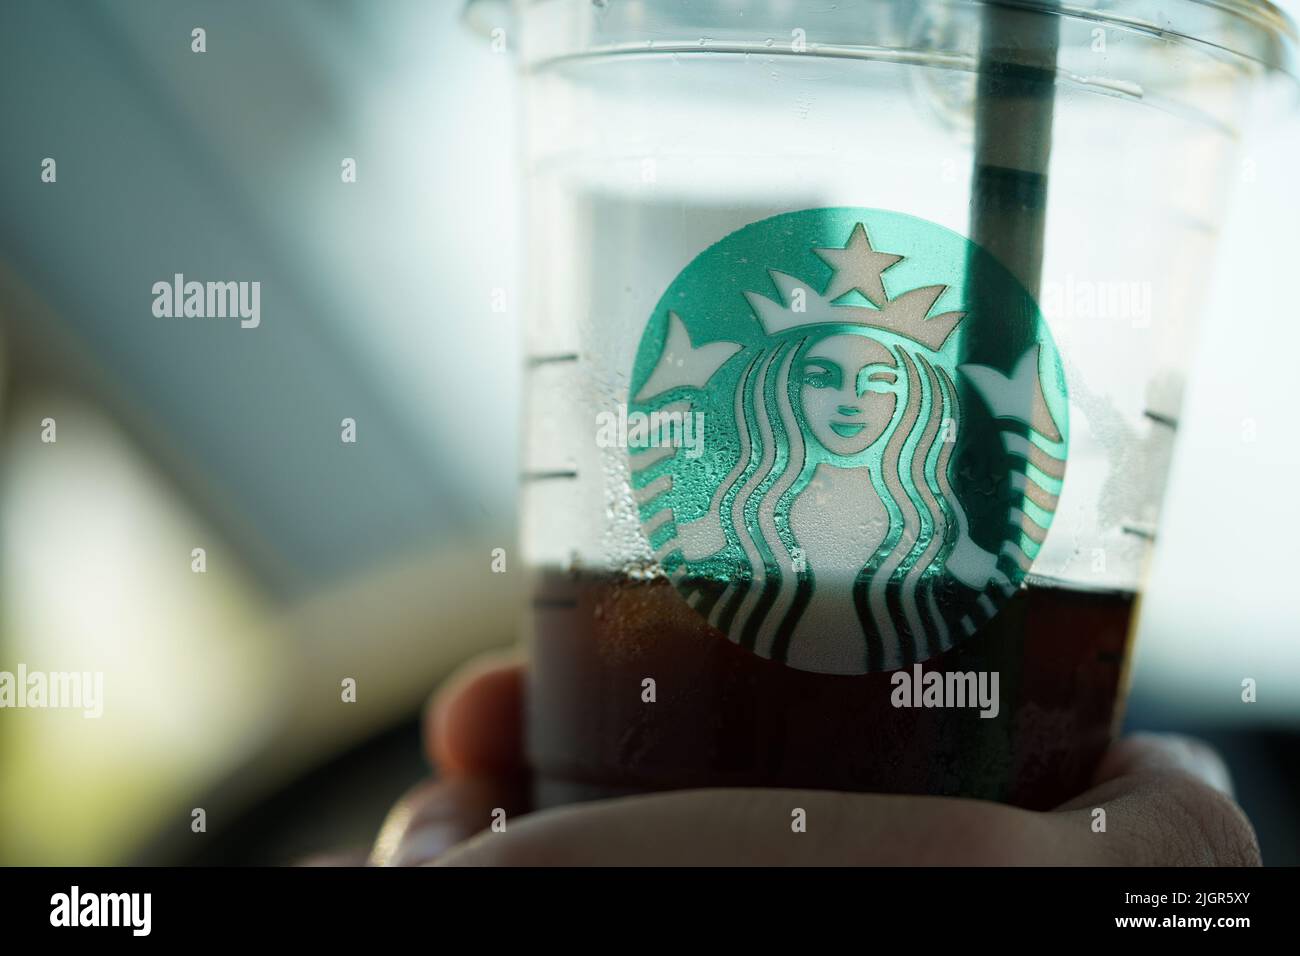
(1163, 800)
(438, 814)
(1160, 806)
(759, 827)
(1165, 752)
(474, 724)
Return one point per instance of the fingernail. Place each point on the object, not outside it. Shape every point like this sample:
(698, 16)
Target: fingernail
(1179, 752)
(1206, 763)
(421, 845)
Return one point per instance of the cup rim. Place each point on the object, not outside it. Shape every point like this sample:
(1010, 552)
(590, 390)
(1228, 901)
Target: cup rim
(1275, 45)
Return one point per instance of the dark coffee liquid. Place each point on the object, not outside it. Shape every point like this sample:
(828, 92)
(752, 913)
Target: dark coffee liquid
(723, 716)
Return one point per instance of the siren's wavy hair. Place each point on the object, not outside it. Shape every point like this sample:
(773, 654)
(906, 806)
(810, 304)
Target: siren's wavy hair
(894, 593)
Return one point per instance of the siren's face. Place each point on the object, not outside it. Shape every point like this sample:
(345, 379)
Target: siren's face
(849, 391)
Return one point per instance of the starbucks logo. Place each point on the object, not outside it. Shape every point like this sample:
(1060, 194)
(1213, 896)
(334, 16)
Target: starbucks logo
(884, 437)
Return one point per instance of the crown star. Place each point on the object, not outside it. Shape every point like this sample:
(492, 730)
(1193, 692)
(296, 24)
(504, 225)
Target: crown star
(857, 266)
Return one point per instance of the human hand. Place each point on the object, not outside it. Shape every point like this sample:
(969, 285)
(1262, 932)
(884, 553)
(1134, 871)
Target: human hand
(1167, 799)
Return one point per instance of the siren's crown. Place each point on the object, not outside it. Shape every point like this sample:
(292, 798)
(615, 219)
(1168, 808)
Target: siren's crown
(857, 267)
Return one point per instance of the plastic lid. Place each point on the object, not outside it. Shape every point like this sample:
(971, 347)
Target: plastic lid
(1253, 29)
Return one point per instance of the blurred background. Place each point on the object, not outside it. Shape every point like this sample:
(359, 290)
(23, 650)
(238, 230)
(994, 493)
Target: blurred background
(372, 560)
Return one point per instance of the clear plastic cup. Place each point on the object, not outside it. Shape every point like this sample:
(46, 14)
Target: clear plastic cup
(856, 336)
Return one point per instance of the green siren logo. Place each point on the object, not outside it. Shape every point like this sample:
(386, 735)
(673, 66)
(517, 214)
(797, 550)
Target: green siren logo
(884, 437)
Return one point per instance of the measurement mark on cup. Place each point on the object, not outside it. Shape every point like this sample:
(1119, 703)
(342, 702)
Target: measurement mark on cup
(1139, 532)
(535, 361)
(557, 475)
(1197, 224)
(1166, 420)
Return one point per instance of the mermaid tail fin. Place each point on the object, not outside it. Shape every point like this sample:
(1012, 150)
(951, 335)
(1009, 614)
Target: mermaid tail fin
(683, 363)
(1008, 396)
(1037, 444)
